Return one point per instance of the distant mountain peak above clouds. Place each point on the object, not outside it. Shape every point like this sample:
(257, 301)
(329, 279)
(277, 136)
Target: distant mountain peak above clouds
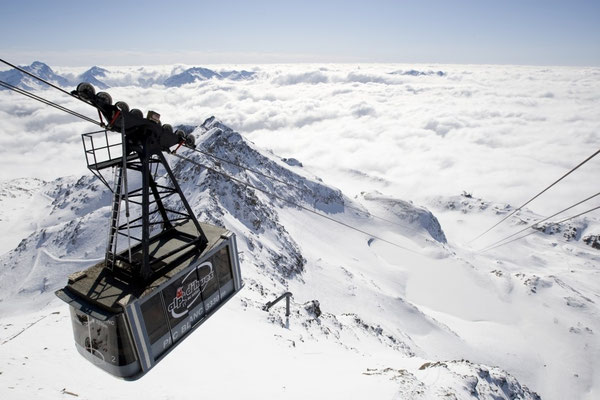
(103, 78)
(237, 75)
(190, 75)
(92, 75)
(196, 74)
(414, 72)
(38, 68)
(97, 71)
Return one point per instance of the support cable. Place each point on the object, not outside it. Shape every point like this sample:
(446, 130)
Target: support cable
(47, 102)
(543, 220)
(535, 231)
(294, 203)
(536, 196)
(44, 81)
(365, 212)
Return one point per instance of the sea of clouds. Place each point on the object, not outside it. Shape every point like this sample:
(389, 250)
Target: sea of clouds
(410, 131)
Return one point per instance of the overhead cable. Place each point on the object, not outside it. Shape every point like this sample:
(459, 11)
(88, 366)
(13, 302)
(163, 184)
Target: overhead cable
(536, 196)
(43, 81)
(294, 203)
(543, 220)
(47, 102)
(535, 231)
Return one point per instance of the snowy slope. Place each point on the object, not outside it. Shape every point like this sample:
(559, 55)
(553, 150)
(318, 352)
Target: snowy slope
(16, 216)
(369, 320)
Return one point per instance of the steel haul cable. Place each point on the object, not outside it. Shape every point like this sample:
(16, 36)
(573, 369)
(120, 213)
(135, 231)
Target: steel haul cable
(294, 203)
(536, 196)
(552, 224)
(47, 102)
(44, 81)
(539, 222)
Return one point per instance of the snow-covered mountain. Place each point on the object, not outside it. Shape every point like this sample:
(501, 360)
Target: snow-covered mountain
(428, 319)
(94, 75)
(103, 78)
(414, 72)
(197, 74)
(190, 75)
(24, 81)
(236, 75)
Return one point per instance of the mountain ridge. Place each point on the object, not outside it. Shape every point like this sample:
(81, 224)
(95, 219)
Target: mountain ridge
(100, 77)
(353, 294)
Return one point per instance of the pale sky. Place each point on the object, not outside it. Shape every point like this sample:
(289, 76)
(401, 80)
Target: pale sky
(83, 33)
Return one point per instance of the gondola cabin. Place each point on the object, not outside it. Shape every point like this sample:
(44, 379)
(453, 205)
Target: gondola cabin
(125, 328)
(130, 310)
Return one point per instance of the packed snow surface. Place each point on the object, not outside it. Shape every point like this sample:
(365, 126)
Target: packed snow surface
(387, 149)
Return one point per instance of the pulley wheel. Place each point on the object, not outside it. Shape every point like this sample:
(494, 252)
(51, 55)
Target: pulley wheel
(167, 128)
(104, 98)
(86, 90)
(137, 112)
(121, 105)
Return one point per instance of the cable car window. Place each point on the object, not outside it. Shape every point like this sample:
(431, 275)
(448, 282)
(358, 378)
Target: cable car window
(223, 266)
(154, 318)
(124, 346)
(209, 284)
(108, 340)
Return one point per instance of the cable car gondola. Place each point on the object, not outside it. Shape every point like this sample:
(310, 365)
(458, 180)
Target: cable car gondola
(130, 310)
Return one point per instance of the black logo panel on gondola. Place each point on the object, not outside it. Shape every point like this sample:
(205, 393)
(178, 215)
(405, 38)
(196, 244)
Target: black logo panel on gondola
(183, 300)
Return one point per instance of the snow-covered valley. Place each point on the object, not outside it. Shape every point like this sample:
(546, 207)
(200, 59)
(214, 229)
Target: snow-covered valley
(429, 318)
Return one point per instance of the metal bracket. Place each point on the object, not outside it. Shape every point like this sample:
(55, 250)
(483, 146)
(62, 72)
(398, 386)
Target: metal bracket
(287, 296)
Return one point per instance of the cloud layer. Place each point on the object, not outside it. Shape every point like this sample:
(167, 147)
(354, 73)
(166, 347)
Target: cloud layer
(412, 131)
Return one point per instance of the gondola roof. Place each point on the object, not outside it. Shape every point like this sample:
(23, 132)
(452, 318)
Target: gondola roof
(112, 290)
